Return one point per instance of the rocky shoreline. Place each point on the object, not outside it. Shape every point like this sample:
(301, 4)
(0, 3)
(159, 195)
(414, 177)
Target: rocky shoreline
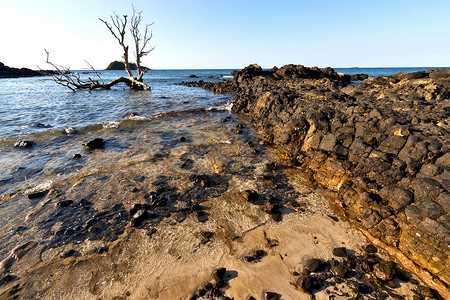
(8, 72)
(381, 146)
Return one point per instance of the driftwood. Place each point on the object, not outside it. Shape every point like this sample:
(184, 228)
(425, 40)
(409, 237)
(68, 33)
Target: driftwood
(118, 28)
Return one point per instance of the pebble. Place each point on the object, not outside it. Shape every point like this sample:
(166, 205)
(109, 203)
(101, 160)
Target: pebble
(271, 296)
(24, 144)
(37, 194)
(305, 283)
(68, 253)
(219, 274)
(96, 143)
(250, 195)
(64, 203)
(313, 265)
(370, 249)
(77, 156)
(340, 252)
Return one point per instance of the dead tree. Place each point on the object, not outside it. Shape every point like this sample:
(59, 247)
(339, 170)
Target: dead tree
(118, 28)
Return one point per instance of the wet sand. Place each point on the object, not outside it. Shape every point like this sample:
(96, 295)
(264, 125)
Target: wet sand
(188, 174)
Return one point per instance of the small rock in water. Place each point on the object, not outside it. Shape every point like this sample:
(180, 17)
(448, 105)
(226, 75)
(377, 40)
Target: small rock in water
(77, 156)
(37, 194)
(340, 252)
(250, 195)
(201, 216)
(64, 203)
(182, 139)
(96, 143)
(24, 144)
(68, 253)
(138, 217)
(131, 115)
(41, 125)
(103, 249)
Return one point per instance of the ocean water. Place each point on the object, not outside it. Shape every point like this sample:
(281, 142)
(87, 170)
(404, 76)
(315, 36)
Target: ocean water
(36, 106)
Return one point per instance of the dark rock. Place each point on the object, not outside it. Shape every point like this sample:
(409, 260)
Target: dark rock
(64, 203)
(68, 253)
(96, 143)
(250, 195)
(202, 180)
(24, 144)
(193, 76)
(201, 216)
(370, 249)
(102, 250)
(135, 208)
(118, 65)
(8, 72)
(182, 139)
(313, 265)
(138, 217)
(37, 194)
(305, 283)
(219, 274)
(340, 271)
(340, 252)
(77, 156)
(271, 296)
(383, 271)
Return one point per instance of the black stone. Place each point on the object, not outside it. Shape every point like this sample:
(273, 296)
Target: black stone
(370, 249)
(96, 143)
(64, 203)
(103, 249)
(340, 252)
(37, 195)
(271, 296)
(313, 265)
(68, 253)
(219, 274)
(24, 144)
(250, 195)
(77, 156)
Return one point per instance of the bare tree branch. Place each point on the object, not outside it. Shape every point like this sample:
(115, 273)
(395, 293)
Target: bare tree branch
(118, 28)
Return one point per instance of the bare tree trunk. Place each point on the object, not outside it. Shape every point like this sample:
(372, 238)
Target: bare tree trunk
(117, 27)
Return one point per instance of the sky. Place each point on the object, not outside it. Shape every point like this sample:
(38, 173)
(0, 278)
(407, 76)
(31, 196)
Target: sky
(202, 34)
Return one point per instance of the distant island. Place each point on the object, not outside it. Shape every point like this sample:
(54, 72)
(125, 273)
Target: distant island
(118, 65)
(7, 72)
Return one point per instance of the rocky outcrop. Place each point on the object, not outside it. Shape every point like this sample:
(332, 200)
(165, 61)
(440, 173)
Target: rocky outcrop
(220, 87)
(7, 72)
(381, 145)
(118, 65)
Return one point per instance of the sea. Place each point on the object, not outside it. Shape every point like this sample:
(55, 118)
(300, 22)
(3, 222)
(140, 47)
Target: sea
(167, 126)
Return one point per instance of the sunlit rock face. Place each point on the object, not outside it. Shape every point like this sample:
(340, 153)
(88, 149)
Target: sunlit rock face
(381, 144)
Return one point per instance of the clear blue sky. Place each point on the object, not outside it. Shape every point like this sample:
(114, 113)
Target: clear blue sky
(233, 33)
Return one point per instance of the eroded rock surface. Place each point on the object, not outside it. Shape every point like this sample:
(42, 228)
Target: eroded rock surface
(382, 145)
